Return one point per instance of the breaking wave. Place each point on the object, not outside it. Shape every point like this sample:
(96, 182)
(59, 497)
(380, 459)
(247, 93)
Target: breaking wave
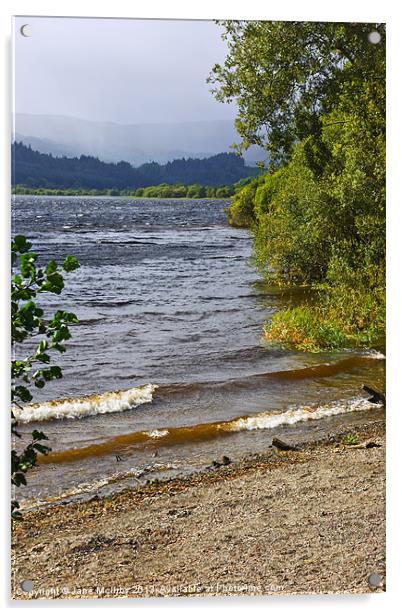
(174, 436)
(157, 433)
(298, 414)
(93, 404)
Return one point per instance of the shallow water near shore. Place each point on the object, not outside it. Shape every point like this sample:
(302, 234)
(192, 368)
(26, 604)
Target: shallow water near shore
(166, 369)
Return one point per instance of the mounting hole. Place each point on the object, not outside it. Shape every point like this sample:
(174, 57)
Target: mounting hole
(374, 37)
(27, 585)
(374, 579)
(26, 30)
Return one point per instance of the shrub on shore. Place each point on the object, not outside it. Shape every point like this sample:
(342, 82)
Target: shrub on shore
(318, 215)
(305, 329)
(160, 191)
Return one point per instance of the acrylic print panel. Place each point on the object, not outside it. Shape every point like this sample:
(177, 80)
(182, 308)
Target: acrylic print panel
(191, 329)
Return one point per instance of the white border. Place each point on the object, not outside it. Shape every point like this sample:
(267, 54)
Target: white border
(341, 10)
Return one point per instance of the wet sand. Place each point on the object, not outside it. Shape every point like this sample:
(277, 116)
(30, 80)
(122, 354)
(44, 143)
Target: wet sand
(284, 522)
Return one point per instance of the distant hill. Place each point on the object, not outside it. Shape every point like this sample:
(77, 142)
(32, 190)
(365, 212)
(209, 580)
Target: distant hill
(34, 169)
(134, 143)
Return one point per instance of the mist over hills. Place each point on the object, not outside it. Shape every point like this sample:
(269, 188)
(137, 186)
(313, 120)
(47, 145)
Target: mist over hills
(136, 143)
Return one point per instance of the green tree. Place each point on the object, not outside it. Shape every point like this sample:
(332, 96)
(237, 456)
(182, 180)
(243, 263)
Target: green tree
(35, 337)
(313, 95)
(241, 211)
(193, 191)
(284, 76)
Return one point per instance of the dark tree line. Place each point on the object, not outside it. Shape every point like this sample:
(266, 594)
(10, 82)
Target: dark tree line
(36, 170)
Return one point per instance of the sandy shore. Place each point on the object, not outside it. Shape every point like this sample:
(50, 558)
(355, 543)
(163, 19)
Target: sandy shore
(307, 521)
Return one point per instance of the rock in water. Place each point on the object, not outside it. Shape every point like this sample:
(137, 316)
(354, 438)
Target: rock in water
(279, 444)
(376, 396)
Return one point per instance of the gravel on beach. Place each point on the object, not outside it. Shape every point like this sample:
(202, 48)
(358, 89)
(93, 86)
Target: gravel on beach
(310, 520)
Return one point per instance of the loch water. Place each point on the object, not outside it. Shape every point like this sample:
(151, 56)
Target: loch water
(167, 369)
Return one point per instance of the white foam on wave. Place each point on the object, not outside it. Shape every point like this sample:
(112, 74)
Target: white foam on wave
(157, 433)
(94, 404)
(294, 415)
(375, 354)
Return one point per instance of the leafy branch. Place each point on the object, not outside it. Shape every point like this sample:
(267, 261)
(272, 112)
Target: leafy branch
(28, 320)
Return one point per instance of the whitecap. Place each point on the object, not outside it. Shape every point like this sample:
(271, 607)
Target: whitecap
(294, 415)
(94, 404)
(157, 433)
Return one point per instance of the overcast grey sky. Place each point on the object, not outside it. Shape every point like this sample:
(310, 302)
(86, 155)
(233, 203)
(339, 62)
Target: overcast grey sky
(125, 71)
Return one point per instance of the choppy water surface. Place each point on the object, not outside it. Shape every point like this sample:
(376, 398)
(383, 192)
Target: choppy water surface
(166, 369)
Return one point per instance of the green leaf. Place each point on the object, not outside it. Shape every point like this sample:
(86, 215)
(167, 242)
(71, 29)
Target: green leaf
(15, 514)
(42, 448)
(43, 357)
(56, 372)
(22, 393)
(16, 280)
(27, 264)
(42, 346)
(51, 267)
(39, 436)
(19, 479)
(54, 283)
(20, 244)
(70, 263)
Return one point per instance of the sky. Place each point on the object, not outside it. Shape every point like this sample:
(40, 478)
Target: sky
(118, 70)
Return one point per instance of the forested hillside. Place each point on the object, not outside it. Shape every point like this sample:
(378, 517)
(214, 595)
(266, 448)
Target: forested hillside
(36, 170)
